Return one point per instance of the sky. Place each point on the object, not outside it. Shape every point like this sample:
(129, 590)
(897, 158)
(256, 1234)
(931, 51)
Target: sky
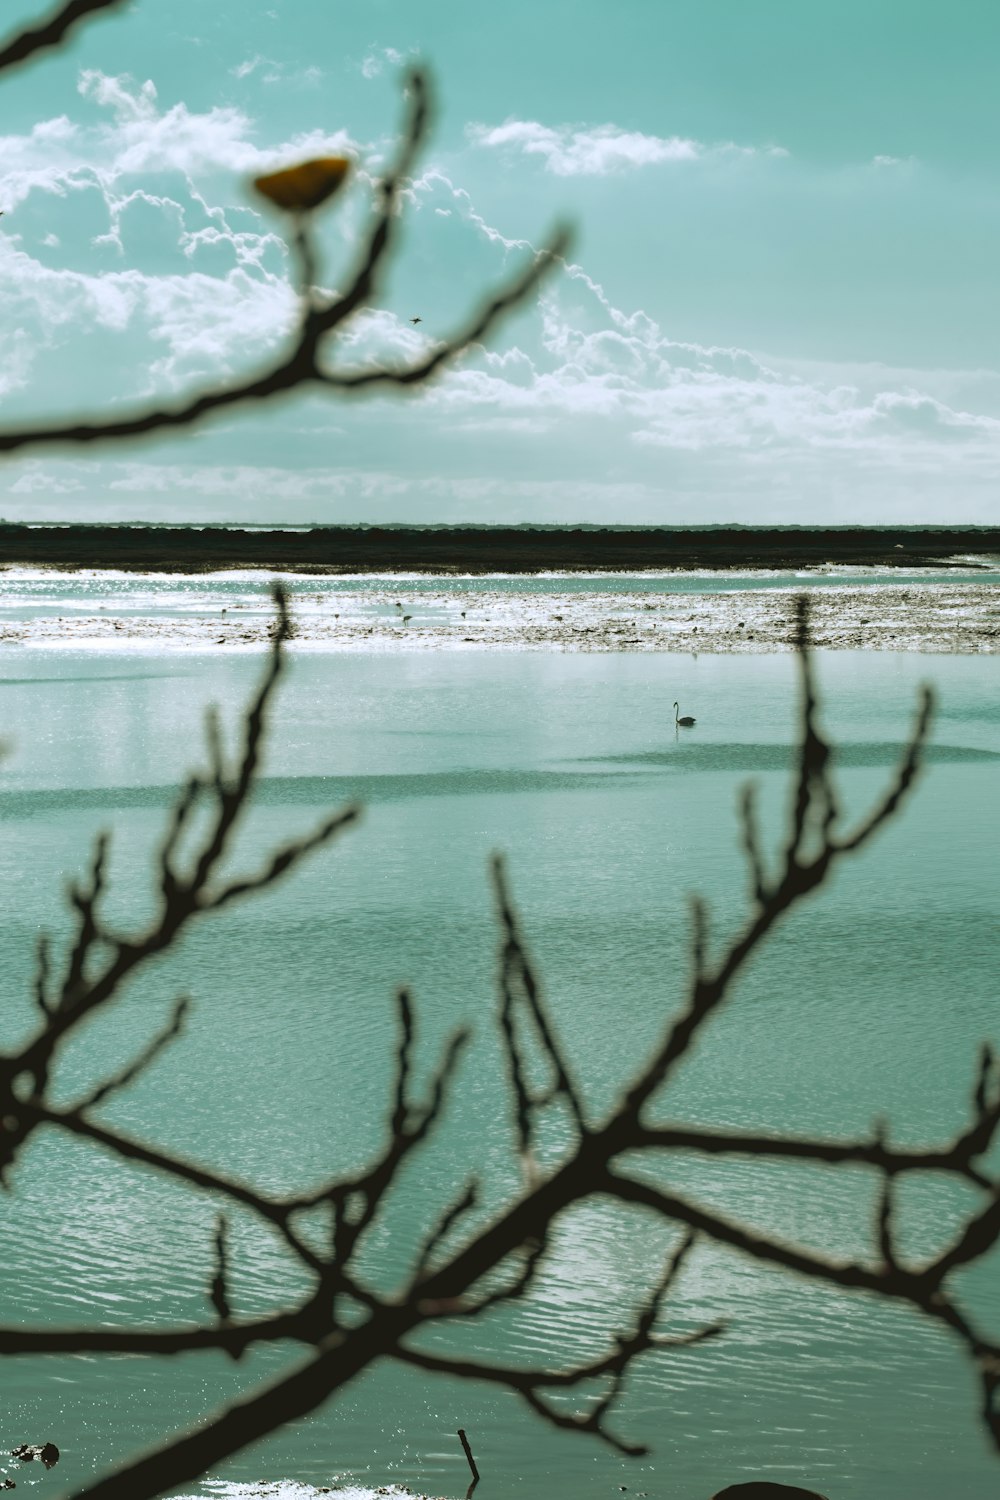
(781, 303)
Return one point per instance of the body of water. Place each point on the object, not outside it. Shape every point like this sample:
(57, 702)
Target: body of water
(871, 1001)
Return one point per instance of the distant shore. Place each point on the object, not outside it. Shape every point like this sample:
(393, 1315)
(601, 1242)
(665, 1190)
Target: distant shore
(482, 550)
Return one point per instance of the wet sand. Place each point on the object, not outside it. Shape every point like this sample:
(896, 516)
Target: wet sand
(954, 617)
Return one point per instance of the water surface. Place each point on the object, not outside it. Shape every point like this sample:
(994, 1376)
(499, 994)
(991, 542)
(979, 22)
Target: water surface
(871, 1001)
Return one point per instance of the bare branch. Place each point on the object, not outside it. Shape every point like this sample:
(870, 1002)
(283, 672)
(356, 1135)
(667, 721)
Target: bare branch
(276, 1211)
(52, 32)
(529, 1382)
(495, 1261)
(42, 970)
(443, 1228)
(751, 843)
(955, 1157)
(281, 861)
(480, 324)
(158, 1343)
(383, 232)
(516, 970)
(85, 899)
(403, 1060)
(149, 1055)
(902, 782)
(218, 1291)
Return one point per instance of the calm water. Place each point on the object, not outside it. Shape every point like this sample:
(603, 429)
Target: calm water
(872, 1000)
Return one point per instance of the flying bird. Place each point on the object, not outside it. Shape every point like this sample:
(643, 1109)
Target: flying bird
(416, 320)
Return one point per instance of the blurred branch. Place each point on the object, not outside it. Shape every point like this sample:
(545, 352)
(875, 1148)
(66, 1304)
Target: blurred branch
(53, 32)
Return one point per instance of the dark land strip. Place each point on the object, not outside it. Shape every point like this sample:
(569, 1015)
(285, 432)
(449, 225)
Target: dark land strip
(473, 549)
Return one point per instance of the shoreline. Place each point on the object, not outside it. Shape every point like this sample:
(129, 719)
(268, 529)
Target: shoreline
(942, 617)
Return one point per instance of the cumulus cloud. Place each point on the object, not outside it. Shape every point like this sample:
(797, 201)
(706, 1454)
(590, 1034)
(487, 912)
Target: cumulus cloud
(132, 224)
(657, 391)
(145, 138)
(593, 365)
(573, 151)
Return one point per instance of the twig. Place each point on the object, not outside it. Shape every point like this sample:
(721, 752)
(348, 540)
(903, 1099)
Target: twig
(468, 1453)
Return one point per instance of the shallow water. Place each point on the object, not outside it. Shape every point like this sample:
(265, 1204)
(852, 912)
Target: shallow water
(29, 593)
(945, 610)
(871, 1001)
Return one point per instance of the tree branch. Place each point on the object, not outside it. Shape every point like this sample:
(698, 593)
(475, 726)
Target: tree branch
(51, 33)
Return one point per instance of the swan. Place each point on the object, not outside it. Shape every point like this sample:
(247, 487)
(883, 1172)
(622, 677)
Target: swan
(684, 719)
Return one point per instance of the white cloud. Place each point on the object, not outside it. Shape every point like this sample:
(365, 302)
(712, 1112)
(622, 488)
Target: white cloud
(271, 72)
(570, 151)
(215, 492)
(145, 139)
(598, 364)
(373, 64)
(652, 390)
(38, 479)
(153, 187)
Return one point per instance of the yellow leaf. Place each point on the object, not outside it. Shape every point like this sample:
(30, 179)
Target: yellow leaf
(305, 186)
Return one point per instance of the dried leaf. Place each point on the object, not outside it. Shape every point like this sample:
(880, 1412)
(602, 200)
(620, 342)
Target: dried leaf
(305, 186)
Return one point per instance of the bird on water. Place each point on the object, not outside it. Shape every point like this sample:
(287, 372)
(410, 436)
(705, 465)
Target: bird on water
(680, 718)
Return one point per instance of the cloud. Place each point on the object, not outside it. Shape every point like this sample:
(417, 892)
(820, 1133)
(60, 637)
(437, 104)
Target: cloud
(617, 371)
(132, 262)
(570, 151)
(39, 479)
(144, 138)
(317, 493)
(271, 72)
(656, 391)
(374, 63)
(129, 231)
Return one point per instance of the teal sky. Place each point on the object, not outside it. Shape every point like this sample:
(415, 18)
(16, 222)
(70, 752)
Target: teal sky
(782, 302)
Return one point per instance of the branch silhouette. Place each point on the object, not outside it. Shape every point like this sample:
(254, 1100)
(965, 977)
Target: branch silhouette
(53, 32)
